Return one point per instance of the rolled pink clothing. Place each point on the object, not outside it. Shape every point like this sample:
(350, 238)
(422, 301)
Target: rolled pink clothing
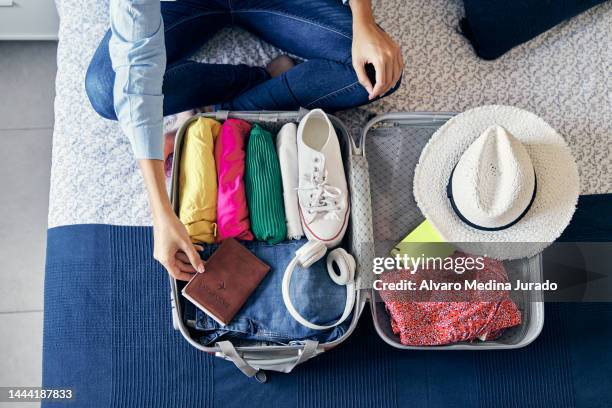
(232, 209)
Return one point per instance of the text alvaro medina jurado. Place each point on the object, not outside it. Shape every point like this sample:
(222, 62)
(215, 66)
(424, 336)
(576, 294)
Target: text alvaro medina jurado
(458, 265)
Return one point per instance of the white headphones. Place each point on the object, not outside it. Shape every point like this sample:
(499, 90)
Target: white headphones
(305, 257)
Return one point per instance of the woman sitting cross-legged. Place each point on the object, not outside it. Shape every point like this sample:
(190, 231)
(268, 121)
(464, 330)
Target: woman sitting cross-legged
(141, 71)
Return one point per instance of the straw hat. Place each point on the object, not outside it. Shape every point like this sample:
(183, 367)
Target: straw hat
(497, 180)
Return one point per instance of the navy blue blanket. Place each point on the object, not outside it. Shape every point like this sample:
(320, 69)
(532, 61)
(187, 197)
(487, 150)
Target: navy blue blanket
(108, 335)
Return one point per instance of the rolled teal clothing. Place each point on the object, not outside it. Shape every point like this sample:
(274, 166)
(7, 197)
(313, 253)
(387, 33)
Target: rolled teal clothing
(264, 188)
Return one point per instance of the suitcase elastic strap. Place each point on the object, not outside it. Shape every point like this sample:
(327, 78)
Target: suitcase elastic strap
(229, 351)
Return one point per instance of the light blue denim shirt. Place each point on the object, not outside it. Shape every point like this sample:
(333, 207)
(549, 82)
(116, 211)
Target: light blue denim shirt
(138, 54)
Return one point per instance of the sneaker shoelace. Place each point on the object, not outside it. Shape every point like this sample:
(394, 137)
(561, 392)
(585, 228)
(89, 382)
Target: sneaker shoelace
(323, 197)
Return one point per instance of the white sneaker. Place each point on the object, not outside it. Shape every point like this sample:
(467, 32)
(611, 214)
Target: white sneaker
(322, 192)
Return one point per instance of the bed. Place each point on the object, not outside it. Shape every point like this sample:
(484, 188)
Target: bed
(108, 329)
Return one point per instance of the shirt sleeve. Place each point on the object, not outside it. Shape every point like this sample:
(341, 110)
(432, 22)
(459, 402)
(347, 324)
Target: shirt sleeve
(138, 56)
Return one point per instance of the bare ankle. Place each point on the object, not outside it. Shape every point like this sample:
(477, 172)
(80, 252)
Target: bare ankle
(279, 65)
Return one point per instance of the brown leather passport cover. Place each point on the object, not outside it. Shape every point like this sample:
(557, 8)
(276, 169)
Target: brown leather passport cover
(232, 274)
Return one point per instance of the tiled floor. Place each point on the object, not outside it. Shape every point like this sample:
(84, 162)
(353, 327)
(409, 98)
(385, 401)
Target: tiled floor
(27, 88)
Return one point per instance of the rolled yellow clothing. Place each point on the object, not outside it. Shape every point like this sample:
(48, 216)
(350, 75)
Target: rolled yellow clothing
(198, 180)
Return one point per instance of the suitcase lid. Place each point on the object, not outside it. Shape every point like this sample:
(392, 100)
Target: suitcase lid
(392, 144)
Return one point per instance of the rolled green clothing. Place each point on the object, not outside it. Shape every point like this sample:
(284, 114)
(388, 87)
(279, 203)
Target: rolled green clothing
(264, 188)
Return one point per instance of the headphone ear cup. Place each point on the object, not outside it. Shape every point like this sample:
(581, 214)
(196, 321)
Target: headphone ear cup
(310, 253)
(350, 259)
(346, 266)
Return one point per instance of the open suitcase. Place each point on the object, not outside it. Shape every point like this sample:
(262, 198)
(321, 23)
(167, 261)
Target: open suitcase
(379, 166)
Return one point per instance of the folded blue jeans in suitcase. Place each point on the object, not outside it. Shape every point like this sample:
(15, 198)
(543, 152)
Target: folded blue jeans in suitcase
(264, 316)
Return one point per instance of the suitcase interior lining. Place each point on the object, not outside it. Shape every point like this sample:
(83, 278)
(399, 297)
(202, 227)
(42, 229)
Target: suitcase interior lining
(392, 150)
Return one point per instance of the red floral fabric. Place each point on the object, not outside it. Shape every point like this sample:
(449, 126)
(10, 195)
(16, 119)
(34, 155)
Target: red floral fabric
(443, 317)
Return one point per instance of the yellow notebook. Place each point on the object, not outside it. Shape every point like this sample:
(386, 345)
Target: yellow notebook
(425, 241)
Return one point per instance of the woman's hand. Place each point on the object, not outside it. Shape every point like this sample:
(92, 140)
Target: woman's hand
(172, 245)
(371, 45)
(173, 248)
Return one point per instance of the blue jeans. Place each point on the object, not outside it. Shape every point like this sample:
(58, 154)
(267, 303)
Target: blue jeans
(264, 316)
(317, 30)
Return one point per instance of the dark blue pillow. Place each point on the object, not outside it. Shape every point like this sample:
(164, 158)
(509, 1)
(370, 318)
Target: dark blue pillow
(495, 26)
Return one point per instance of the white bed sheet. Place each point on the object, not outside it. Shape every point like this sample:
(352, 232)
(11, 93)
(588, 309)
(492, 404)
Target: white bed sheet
(564, 75)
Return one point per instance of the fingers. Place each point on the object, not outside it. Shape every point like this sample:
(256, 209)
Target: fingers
(179, 266)
(184, 264)
(399, 66)
(362, 76)
(399, 69)
(194, 258)
(183, 258)
(397, 73)
(381, 79)
(173, 269)
(390, 71)
(186, 267)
